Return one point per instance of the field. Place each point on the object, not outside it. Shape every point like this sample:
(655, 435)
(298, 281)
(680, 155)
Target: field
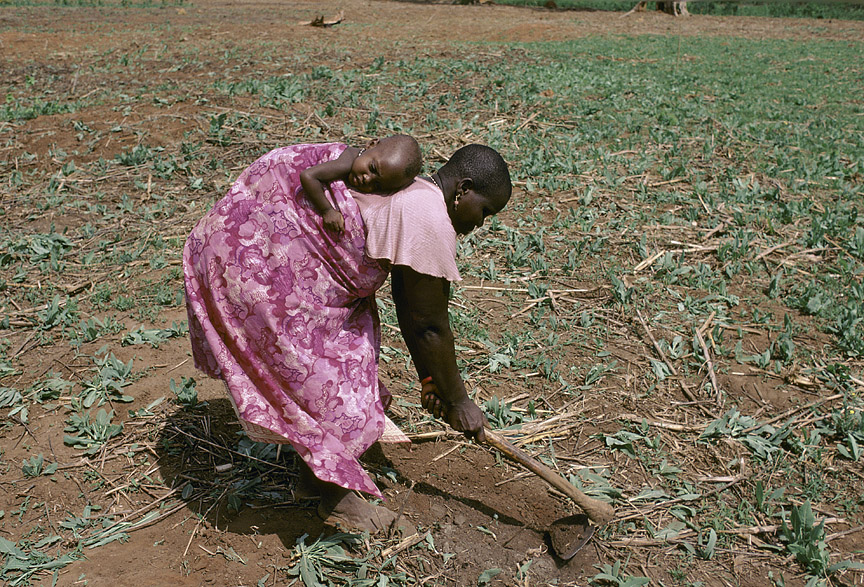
(842, 9)
(670, 311)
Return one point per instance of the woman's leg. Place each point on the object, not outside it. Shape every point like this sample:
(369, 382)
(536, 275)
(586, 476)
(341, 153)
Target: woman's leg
(341, 506)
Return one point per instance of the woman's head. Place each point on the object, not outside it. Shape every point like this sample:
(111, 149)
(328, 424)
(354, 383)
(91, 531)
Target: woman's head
(386, 165)
(480, 182)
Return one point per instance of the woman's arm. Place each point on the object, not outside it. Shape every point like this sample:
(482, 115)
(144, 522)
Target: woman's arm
(421, 308)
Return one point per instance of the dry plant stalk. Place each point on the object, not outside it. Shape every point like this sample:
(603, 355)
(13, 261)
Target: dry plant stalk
(320, 22)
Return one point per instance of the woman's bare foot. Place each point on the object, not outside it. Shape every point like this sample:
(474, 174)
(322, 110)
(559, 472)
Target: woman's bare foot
(308, 485)
(341, 507)
(350, 512)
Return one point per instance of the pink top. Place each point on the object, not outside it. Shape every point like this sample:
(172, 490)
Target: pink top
(411, 228)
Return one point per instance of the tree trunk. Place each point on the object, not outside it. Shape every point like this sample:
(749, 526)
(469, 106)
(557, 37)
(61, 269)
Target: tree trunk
(673, 7)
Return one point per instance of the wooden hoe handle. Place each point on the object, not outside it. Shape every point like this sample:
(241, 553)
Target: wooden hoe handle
(598, 511)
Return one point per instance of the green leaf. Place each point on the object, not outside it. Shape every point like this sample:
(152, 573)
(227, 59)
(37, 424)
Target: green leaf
(121, 536)
(844, 566)
(649, 494)
(661, 371)
(32, 467)
(487, 575)
(708, 550)
(10, 548)
(48, 541)
(308, 574)
(671, 531)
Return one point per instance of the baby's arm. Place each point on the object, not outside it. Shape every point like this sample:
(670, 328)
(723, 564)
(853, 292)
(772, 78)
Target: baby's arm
(315, 179)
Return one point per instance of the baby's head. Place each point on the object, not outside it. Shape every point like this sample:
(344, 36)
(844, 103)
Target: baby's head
(386, 165)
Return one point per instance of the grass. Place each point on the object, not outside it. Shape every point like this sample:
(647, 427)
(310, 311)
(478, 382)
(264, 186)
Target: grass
(713, 185)
(837, 9)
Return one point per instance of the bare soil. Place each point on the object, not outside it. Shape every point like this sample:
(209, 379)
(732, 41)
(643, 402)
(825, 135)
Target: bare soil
(486, 513)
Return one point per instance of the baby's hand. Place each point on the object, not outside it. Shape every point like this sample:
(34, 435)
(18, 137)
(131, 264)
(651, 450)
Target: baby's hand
(333, 220)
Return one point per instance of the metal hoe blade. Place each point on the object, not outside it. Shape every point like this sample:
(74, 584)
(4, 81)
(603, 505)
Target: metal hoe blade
(568, 535)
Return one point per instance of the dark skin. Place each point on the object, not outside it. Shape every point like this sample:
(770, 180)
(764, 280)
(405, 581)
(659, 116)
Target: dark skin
(379, 168)
(421, 309)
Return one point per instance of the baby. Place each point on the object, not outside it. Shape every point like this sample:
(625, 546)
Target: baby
(384, 166)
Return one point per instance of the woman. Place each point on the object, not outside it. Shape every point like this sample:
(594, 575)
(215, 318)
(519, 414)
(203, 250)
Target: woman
(284, 311)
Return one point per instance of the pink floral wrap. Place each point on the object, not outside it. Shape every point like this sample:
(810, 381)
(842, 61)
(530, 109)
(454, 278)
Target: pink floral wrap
(284, 312)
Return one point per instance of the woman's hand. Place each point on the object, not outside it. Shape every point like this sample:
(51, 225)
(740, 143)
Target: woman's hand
(466, 417)
(430, 401)
(463, 416)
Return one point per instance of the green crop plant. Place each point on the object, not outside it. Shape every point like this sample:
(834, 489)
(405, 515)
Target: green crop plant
(10, 397)
(326, 557)
(154, 336)
(50, 388)
(765, 500)
(621, 292)
(23, 564)
(138, 155)
(595, 484)
(45, 251)
(91, 433)
(59, 312)
(804, 538)
(110, 378)
(273, 92)
(501, 414)
(626, 441)
(16, 110)
(849, 330)
(93, 328)
(764, 441)
(598, 371)
(6, 369)
(847, 427)
(35, 466)
(77, 524)
(614, 576)
(185, 392)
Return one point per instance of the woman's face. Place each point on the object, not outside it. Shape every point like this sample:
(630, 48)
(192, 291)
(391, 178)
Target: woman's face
(473, 209)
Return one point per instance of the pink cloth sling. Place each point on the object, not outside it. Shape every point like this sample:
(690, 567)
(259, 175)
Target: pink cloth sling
(284, 311)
